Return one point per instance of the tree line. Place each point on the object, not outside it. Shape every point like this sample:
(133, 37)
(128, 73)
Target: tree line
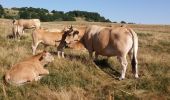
(45, 15)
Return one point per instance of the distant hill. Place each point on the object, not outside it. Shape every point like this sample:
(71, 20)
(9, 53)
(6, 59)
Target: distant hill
(45, 15)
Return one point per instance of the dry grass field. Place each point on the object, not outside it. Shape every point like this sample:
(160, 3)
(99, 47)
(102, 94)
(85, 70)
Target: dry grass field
(78, 78)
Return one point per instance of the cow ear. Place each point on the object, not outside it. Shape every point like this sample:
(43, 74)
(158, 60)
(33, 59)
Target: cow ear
(43, 55)
(75, 33)
(13, 20)
(41, 58)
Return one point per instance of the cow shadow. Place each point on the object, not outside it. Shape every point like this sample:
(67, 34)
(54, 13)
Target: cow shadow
(71, 57)
(107, 68)
(82, 59)
(11, 36)
(102, 64)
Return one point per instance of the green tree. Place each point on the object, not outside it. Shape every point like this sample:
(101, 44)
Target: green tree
(1, 11)
(68, 18)
(89, 16)
(123, 22)
(25, 14)
(45, 15)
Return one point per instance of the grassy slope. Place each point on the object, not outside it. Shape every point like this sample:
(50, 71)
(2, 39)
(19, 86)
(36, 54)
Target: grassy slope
(76, 77)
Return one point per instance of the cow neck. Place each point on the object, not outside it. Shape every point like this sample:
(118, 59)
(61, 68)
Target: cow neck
(34, 58)
(38, 57)
(82, 40)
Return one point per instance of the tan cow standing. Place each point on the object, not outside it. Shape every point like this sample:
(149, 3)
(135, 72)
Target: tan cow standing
(109, 42)
(49, 39)
(28, 70)
(20, 25)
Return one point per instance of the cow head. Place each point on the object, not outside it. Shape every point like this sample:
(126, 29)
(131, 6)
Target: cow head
(68, 29)
(14, 21)
(46, 57)
(71, 36)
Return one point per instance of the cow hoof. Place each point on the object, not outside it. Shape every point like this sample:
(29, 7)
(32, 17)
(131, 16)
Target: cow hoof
(136, 76)
(121, 78)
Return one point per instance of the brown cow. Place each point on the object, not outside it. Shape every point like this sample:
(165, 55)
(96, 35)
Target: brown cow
(49, 38)
(28, 70)
(76, 45)
(109, 42)
(20, 25)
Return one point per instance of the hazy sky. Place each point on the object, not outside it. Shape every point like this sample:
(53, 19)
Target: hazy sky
(138, 11)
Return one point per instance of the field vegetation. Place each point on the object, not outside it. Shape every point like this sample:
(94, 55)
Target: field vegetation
(78, 78)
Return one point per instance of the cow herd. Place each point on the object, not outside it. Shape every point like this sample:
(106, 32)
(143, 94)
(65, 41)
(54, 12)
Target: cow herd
(106, 41)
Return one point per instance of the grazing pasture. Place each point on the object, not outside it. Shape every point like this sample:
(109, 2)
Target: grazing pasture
(78, 78)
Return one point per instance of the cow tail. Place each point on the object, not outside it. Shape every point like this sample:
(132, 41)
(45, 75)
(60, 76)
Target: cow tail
(134, 49)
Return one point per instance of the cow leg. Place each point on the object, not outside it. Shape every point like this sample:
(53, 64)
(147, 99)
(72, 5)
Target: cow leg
(20, 31)
(96, 56)
(14, 35)
(124, 63)
(15, 30)
(34, 47)
(130, 54)
(20, 82)
(58, 54)
(25, 81)
(23, 32)
(91, 54)
(38, 78)
(18, 36)
(43, 71)
(62, 54)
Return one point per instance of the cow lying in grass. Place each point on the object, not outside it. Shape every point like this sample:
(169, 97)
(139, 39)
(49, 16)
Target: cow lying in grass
(109, 42)
(49, 39)
(28, 70)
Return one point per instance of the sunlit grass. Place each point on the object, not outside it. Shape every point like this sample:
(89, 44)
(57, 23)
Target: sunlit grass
(77, 77)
